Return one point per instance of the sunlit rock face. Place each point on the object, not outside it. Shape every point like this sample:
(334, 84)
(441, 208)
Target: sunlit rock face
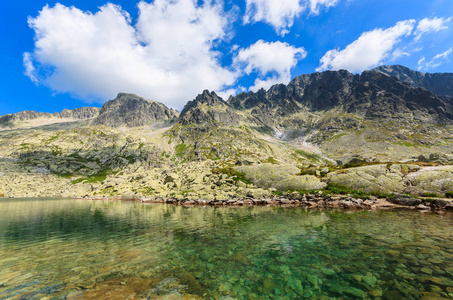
(133, 111)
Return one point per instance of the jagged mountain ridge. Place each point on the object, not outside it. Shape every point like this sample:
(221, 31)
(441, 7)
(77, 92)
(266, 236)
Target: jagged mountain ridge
(314, 121)
(364, 114)
(440, 84)
(83, 113)
(338, 111)
(371, 94)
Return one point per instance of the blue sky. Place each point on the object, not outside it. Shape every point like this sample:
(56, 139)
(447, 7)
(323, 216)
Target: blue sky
(70, 54)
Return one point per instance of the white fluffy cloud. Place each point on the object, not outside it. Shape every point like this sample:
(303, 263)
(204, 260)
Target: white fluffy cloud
(167, 56)
(29, 68)
(280, 14)
(427, 25)
(435, 61)
(315, 5)
(369, 50)
(275, 59)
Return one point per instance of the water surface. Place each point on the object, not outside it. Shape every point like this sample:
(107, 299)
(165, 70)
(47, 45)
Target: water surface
(80, 249)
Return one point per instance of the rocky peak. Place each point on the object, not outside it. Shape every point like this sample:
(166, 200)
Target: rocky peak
(207, 99)
(440, 84)
(209, 108)
(131, 110)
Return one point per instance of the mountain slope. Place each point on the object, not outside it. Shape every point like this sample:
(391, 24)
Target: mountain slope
(370, 115)
(83, 113)
(308, 125)
(440, 84)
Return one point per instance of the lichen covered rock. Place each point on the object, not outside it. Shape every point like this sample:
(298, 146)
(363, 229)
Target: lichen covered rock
(280, 177)
(376, 178)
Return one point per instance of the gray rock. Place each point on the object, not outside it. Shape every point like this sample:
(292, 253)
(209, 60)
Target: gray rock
(132, 111)
(439, 203)
(405, 200)
(209, 109)
(438, 83)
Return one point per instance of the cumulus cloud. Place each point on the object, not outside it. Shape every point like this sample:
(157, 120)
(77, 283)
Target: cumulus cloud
(427, 25)
(280, 14)
(369, 50)
(315, 5)
(435, 62)
(272, 61)
(167, 56)
(29, 68)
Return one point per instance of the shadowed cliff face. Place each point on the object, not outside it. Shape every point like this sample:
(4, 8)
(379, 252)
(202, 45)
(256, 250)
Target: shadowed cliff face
(440, 84)
(372, 95)
(133, 111)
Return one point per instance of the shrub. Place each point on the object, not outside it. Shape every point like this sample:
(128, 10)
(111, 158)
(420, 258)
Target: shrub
(237, 176)
(343, 190)
(428, 194)
(449, 194)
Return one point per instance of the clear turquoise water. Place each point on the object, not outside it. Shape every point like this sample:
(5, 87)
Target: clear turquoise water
(79, 249)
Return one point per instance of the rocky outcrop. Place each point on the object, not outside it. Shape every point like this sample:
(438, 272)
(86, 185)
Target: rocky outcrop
(209, 109)
(132, 111)
(376, 178)
(440, 84)
(280, 177)
(433, 180)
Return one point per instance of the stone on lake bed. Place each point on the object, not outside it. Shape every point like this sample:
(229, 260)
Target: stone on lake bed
(348, 291)
(431, 296)
(178, 297)
(105, 292)
(434, 261)
(375, 292)
(313, 280)
(328, 272)
(295, 285)
(426, 270)
(369, 279)
(193, 286)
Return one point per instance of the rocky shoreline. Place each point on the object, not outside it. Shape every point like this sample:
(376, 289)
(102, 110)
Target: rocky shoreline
(311, 201)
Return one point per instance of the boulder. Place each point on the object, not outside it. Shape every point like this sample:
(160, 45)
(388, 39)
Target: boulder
(376, 178)
(280, 177)
(405, 200)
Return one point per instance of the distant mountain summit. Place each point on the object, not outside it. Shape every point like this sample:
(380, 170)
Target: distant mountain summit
(440, 84)
(131, 110)
(83, 113)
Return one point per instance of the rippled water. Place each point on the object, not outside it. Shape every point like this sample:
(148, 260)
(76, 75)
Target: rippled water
(80, 249)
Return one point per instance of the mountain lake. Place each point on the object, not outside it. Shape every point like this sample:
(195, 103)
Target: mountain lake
(86, 249)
